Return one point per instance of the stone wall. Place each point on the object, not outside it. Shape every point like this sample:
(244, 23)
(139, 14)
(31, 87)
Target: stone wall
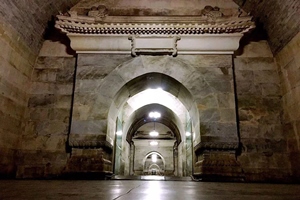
(279, 18)
(47, 118)
(288, 61)
(29, 20)
(22, 26)
(16, 65)
(263, 151)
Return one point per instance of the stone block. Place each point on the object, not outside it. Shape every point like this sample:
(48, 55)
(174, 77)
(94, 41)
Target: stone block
(292, 74)
(96, 127)
(48, 128)
(12, 108)
(221, 86)
(54, 49)
(177, 69)
(270, 89)
(39, 113)
(210, 115)
(248, 88)
(53, 143)
(63, 101)
(248, 130)
(226, 100)
(244, 76)
(49, 63)
(213, 61)
(266, 76)
(206, 102)
(109, 61)
(64, 89)
(228, 115)
(41, 100)
(257, 49)
(43, 75)
(42, 88)
(218, 129)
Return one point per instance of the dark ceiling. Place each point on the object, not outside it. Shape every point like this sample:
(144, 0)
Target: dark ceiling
(280, 18)
(30, 18)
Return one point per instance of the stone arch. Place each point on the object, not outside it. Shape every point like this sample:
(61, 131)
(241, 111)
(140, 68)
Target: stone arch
(202, 83)
(154, 152)
(151, 75)
(140, 117)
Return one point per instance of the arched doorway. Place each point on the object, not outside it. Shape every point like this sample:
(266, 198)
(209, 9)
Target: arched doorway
(154, 164)
(156, 92)
(205, 93)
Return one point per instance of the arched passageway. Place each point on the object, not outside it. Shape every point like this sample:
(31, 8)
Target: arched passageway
(197, 99)
(155, 96)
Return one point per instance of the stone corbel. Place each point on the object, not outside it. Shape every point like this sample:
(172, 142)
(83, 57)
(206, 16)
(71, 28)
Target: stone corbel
(154, 45)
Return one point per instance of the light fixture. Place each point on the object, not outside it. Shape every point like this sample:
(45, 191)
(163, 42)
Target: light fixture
(154, 158)
(154, 133)
(119, 133)
(188, 134)
(153, 143)
(154, 115)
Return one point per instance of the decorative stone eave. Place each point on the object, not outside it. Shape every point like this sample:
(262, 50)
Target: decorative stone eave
(154, 35)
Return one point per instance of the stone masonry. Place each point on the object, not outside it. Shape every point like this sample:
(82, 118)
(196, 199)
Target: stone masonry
(263, 146)
(288, 61)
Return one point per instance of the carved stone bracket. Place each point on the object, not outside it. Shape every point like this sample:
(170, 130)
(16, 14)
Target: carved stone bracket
(156, 45)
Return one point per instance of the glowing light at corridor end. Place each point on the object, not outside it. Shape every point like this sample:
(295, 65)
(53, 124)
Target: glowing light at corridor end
(154, 115)
(153, 143)
(153, 133)
(188, 134)
(154, 158)
(119, 133)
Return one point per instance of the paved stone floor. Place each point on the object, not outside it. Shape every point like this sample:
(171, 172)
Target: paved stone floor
(144, 190)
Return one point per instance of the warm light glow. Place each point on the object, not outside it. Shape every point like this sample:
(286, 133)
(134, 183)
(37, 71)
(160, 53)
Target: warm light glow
(153, 178)
(154, 115)
(158, 96)
(119, 133)
(188, 134)
(153, 143)
(153, 133)
(154, 158)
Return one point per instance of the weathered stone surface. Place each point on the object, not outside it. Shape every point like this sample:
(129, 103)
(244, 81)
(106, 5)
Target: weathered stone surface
(288, 66)
(259, 106)
(280, 19)
(89, 161)
(47, 119)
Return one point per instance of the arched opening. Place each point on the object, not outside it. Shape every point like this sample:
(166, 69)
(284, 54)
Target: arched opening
(154, 164)
(120, 102)
(155, 92)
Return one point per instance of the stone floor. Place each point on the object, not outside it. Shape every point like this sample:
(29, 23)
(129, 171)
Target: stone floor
(144, 190)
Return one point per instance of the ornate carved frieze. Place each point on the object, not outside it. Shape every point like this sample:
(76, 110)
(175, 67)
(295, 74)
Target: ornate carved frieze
(238, 25)
(93, 30)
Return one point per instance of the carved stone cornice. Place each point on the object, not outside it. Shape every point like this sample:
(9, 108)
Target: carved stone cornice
(216, 146)
(165, 26)
(94, 30)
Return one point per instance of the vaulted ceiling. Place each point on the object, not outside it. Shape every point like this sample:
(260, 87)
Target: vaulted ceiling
(30, 18)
